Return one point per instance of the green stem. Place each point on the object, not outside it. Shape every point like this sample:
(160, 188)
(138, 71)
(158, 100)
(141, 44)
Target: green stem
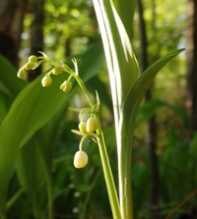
(48, 182)
(49, 190)
(108, 175)
(124, 174)
(15, 197)
(83, 212)
(80, 83)
(84, 89)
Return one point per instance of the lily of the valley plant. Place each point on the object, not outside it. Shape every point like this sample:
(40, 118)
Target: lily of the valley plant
(128, 87)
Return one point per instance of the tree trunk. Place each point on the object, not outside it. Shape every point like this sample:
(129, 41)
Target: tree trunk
(152, 124)
(192, 60)
(37, 32)
(68, 49)
(12, 14)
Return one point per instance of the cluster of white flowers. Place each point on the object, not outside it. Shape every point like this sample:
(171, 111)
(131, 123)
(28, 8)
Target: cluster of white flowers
(88, 125)
(34, 62)
(86, 129)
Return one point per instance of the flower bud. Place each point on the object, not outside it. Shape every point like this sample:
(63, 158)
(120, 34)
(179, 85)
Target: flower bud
(66, 86)
(31, 65)
(46, 81)
(92, 124)
(58, 70)
(22, 73)
(82, 127)
(80, 159)
(33, 59)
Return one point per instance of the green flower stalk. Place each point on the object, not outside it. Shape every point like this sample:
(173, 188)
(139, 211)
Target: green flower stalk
(91, 128)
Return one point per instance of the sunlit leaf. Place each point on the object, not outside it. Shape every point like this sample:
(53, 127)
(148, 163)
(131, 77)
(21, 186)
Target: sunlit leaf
(144, 83)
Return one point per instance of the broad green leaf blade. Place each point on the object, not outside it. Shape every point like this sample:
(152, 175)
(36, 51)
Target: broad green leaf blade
(121, 62)
(144, 83)
(31, 110)
(3, 106)
(128, 116)
(8, 77)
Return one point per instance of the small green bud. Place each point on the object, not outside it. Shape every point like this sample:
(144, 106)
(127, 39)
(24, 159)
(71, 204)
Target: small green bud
(92, 124)
(33, 59)
(22, 73)
(31, 65)
(58, 70)
(80, 159)
(46, 81)
(82, 127)
(66, 86)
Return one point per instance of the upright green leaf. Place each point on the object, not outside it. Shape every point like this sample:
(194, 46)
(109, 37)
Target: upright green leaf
(140, 87)
(130, 108)
(123, 72)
